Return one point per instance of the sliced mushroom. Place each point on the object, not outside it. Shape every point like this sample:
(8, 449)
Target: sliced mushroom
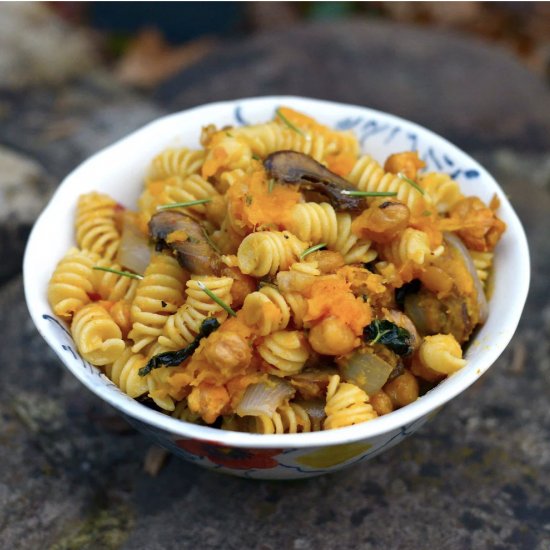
(188, 240)
(321, 183)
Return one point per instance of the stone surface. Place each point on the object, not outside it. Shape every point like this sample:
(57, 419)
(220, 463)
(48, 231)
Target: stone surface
(24, 191)
(472, 93)
(478, 476)
(50, 52)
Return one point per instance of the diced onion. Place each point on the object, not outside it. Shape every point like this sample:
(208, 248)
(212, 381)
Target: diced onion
(458, 245)
(134, 252)
(366, 370)
(264, 397)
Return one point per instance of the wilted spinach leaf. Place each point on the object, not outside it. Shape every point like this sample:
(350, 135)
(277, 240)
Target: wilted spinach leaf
(385, 332)
(175, 358)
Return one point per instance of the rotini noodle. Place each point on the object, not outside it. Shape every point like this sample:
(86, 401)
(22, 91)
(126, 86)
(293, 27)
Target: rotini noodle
(412, 245)
(112, 286)
(347, 404)
(441, 353)
(158, 295)
(71, 284)
(124, 373)
(176, 162)
(287, 419)
(265, 139)
(182, 327)
(443, 191)
(267, 252)
(95, 225)
(267, 310)
(175, 190)
(285, 351)
(368, 175)
(97, 337)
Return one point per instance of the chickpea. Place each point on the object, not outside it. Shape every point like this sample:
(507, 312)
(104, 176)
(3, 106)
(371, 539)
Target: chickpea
(228, 351)
(332, 337)
(328, 261)
(382, 221)
(381, 403)
(402, 390)
(408, 163)
(208, 400)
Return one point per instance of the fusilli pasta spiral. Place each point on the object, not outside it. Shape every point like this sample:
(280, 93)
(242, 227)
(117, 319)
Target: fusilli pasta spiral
(287, 419)
(412, 245)
(175, 190)
(264, 139)
(441, 353)
(267, 310)
(180, 162)
(182, 327)
(112, 286)
(443, 191)
(347, 404)
(97, 337)
(124, 372)
(95, 224)
(286, 351)
(158, 295)
(267, 252)
(368, 175)
(71, 284)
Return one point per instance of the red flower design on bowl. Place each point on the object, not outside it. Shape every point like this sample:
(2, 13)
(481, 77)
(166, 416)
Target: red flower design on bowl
(231, 457)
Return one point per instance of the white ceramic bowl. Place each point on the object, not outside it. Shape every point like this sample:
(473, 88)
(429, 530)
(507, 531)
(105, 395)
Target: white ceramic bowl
(119, 171)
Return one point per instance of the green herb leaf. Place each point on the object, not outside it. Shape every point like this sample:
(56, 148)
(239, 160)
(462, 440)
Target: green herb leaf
(312, 249)
(255, 156)
(270, 185)
(228, 134)
(117, 272)
(368, 193)
(182, 204)
(385, 332)
(426, 213)
(402, 176)
(175, 358)
(216, 299)
(288, 123)
(248, 199)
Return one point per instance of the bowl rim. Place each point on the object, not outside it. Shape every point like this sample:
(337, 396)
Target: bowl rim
(399, 419)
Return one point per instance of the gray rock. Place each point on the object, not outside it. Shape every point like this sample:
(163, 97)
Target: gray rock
(471, 92)
(61, 128)
(36, 47)
(24, 190)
